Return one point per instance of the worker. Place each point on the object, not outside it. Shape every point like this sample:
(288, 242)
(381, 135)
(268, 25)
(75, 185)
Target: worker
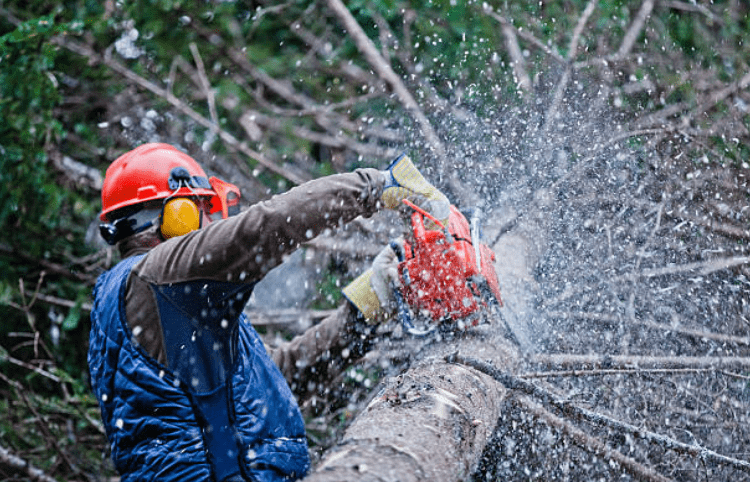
(186, 389)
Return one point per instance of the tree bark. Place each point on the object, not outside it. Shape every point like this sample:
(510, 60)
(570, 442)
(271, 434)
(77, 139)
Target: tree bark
(430, 423)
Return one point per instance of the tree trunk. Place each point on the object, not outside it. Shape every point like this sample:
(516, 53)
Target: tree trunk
(430, 423)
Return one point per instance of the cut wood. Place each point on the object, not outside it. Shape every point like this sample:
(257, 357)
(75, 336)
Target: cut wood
(429, 424)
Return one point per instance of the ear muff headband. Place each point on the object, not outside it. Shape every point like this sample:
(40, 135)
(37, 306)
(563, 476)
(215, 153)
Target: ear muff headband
(179, 216)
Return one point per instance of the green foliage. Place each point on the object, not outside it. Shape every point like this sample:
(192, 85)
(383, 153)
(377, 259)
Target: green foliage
(60, 434)
(29, 94)
(32, 204)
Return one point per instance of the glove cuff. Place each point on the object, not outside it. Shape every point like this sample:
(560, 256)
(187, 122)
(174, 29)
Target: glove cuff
(360, 293)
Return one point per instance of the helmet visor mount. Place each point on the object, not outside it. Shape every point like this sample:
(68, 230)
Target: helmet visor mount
(180, 177)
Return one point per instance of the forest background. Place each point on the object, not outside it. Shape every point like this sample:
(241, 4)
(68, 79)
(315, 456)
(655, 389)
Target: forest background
(488, 97)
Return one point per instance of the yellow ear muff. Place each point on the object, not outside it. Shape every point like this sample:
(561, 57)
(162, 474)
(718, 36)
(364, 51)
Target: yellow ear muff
(179, 216)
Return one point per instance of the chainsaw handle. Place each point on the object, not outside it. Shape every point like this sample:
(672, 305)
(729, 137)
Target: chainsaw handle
(403, 308)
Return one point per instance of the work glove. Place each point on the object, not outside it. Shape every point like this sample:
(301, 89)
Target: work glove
(404, 181)
(372, 291)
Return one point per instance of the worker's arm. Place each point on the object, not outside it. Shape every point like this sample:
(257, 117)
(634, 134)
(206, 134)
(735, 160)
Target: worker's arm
(243, 248)
(325, 349)
(346, 335)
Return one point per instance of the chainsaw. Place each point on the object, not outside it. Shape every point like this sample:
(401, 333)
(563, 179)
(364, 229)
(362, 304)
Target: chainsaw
(447, 274)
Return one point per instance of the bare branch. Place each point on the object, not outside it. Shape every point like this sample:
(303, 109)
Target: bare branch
(592, 444)
(739, 340)
(4, 356)
(635, 29)
(324, 115)
(7, 15)
(524, 34)
(722, 94)
(616, 371)
(629, 361)
(40, 422)
(280, 88)
(562, 84)
(205, 84)
(77, 172)
(54, 300)
(14, 462)
(251, 117)
(701, 267)
(698, 267)
(523, 81)
(694, 7)
(514, 383)
(575, 39)
(373, 57)
(231, 141)
(661, 117)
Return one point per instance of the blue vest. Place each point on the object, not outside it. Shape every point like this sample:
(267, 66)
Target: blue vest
(220, 411)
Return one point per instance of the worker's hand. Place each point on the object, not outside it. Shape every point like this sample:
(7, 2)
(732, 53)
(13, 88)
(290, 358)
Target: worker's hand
(385, 277)
(404, 181)
(372, 291)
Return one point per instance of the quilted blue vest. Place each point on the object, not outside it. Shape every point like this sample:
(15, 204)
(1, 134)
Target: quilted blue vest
(221, 411)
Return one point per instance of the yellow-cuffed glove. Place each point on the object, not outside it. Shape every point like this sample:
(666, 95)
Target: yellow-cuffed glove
(404, 181)
(372, 291)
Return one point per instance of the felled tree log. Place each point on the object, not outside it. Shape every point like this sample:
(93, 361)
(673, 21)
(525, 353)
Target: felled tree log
(430, 423)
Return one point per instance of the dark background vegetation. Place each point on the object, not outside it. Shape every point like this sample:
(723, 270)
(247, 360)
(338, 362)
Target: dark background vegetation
(270, 94)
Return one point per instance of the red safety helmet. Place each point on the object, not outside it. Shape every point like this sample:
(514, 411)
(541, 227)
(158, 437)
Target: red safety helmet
(150, 172)
(154, 172)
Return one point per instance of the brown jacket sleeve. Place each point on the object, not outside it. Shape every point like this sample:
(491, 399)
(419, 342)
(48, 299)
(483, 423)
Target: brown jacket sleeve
(242, 249)
(245, 247)
(323, 351)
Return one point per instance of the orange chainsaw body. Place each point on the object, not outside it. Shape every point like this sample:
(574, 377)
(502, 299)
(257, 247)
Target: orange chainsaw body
(440, 274)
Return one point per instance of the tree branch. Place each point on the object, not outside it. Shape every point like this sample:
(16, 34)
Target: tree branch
(562, 84)
(4, 356)
(629, 361)
(231, 141)
(694, 7)
(373, 57)
(523, 34)
(635, 29)
(514, 383)
(17, 463)
(592, 444)
(720, 337)
(205, 85)
(523, 81)
(615, 371)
